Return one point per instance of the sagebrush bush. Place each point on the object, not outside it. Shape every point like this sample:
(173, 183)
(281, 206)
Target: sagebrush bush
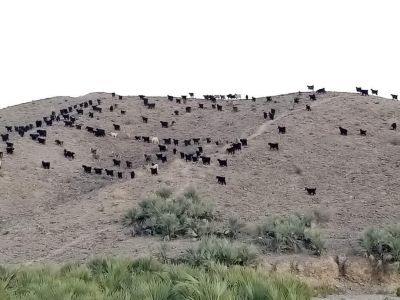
(221, 251)
(383, 243)
(170, 215)
(114, 279)
(293, 233)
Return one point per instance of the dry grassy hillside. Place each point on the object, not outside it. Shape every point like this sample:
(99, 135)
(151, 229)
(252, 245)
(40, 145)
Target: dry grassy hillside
(65, 214)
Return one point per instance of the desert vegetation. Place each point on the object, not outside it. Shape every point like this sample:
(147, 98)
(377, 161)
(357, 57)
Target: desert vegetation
(115, 279)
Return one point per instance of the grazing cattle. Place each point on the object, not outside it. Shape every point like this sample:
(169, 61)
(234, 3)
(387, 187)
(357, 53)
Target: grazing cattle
(69, 154)
(167, 141)
(174, 151)
(184, 97)
(374, 92)
(201, 105)
(67, 123)
(358, 89)
(364, 93)
(268, 98)
(208, 140)
(59, 143)
(38, 123)
(393, 126)
(100, 132)
(145, 119)
(230, 150)
(196, 141)
(271, 115)
(394, 97)
(308, 107)
(79, 127)
(117, 127)
(273, 146)
(5, 137)
(195, 158)
(123, 112)
(93, 151)
(219, 107)
(147, 157)
(113, 95)
(188, 109)
(21, 133)
(282, 129)
(154, 169)
(244, 142)
(296, 100)
(188, 157)
(310, 191)
(312, 97)
(41, 140)
(155, 140)
(159, 155)
(164, 124)
(163, 159)
(310, 87)
(163, 148)
(138, 138)
(146, 139)
(213, 106)
(9, 128)
(170, 98)
(363, 132)
(109, 172)
(182, 155)
(98, 171)
(116, 162)
(79, 111)
(178, 101)
(176, 112)
(128, 164)
(114, 134)
(265, 115)
(206, 160)
(34, 136)
(342, 131)
(191, 95)
(223, 162)
(321, 91)
(221, 180)
(46, 165)
(132, 173)
(9, 150)
(119, 97)
(87, 169)
(48, 122)
(187, 142)
(119, 175)
(151, 105)
(200, 149)
(91, 115)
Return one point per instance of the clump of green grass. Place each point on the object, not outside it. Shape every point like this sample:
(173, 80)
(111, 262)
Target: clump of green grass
(172, 215)
(114, 279)
(293, 233)
(383, 243)
(221, 251)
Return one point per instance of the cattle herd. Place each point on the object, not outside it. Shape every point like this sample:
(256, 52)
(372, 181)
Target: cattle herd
(71, 115)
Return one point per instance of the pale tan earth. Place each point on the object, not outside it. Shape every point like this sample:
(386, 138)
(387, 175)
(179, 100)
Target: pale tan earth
(63, 214)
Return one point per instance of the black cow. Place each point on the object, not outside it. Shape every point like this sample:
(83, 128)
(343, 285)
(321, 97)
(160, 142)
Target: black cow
(374, 92)
(221, 180)
(159, 156)
(213, 106)
(154, 171)
(9, 128)
(342, 131)
(132, 173)
(79, 111)
(282, 129)
(100, 132)
(10, 144)
(363, 132)
(244, 142)
(38, 123)
(138, 138)
(296, 100)
(45, 165)
(188, 157)
(123, 112)
(128, 164)
(109, 172)
(170, 98)
(41, 140)
(113, 95)
(208, 140)
(98, 171)
(163, 148)
(237, 146)
(59, 143)
(187, 142)
(265, 115)
(271, 115)
(364, 93)
(164, 124)
(79, 127)
(201, 105)
(219, 107)
(5, 137)
(230, 150)
(146, 139)
(10, 150)
(176, 112)
(223, 162)
(321, 91)
(310, 87)
(145, 119)
(312, 97)
(91, 115)
(394, 97)
(87, 169)
(273, 146)
(42, 132)
(176, 142)
(120, 174)
(174, 151)
(358, 89)
(167, 141)
(308, 107)
(196, 141)
(206, 160)
(90, 129)
(188, 109)
(163, 159)
(119, 97)
(393, 126)
(151, 105)
(117, 127)
(269, 98)
(116, 162)
(178, 101)
(34, 136)
(200, 149)
(182, 155)
(310, 191)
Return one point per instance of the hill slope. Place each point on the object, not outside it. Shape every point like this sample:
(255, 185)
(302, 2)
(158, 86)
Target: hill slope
(63, 213)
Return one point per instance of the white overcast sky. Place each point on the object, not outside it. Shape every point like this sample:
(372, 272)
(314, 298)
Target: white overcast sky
(58, 48)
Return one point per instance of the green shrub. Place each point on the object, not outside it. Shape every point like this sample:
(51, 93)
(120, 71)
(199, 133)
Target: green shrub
(114, 279)
(383, 243)
(293, 233)
(222, 251)
(170, 216)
